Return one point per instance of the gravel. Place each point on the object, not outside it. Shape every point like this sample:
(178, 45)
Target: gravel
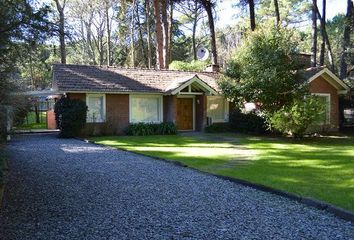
(69, 189)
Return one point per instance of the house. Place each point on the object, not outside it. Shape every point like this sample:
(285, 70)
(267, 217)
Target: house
(328, 87)
(117, 96)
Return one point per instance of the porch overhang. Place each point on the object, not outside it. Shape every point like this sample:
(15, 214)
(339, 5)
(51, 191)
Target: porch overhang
(195, 86)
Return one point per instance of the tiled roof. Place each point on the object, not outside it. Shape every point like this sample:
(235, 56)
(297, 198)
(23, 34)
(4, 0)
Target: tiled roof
(306, 74)
(84, 78)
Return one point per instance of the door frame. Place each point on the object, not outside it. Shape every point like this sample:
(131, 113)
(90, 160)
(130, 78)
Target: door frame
(193, 97)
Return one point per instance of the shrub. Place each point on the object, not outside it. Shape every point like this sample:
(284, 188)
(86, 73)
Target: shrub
(247, 122)
(296, 119)
(145, 129)
(188, 66)
(262, 69)
(217, 128)
(70, 115)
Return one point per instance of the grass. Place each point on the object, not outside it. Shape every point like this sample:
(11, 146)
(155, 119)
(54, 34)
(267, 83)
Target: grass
(321, 168)
(30, 122)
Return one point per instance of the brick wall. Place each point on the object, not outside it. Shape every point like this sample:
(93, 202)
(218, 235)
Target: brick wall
(117, 115)
(51, 123)
(117, 110)
(320, 85)
(200, 112)
(169, 108)
(80, 96)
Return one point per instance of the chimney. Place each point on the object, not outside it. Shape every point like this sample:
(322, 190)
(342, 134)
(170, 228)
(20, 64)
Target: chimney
(214, 68)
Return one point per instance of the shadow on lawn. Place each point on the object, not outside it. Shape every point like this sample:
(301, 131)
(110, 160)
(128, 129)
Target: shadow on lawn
(321, 168)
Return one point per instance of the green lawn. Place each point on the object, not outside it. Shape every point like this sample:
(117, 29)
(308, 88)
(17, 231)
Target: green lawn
(30, 122)
(322, 168)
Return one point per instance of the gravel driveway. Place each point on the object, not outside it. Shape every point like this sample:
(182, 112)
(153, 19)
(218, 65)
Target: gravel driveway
(69, 189)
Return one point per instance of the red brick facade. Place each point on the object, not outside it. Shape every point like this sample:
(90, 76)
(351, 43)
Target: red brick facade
(117, 115)
(51, 123)
(169, 108)
(200, 112)
(320, 85)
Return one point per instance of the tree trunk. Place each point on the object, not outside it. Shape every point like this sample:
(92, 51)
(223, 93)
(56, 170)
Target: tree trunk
(60, 9)
(170, 32)
(147, 9)
(277, 14)
(346, 41)
(323, 40)
(90, 47)
(108, 25)
(143, 50)
(208, 8)
(165, 32)
(132, 50)
(314, 34)
(36, 111)
(193, 38)
(252, 14)
(159, 36)
(326, 39)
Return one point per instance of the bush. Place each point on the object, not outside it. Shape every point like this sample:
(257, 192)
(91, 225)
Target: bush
(70, 115)
(247, 122)
(296, 119)
(188, 66)
(262, 69)
(217, 128)
(145, 129)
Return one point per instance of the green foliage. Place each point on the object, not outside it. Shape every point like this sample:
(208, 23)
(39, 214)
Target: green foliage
(262, 70)
(296, 118)
(145, 129)
(217, 128)
(247, 122)
(188, 66)
(70, 115)
(21, 110)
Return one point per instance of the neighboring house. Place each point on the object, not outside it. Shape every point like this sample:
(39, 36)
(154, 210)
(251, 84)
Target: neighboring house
(328, 87)
(118, 96)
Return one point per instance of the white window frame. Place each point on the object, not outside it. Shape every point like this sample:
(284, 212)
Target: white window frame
(328, 96)
(88, 95)
(160, 97)
(226, 110)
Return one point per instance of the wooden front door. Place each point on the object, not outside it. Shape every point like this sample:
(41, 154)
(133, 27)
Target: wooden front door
(185, 113)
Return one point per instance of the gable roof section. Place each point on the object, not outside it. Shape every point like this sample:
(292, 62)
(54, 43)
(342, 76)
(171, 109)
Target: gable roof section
(179, 85)
(313, 73)
(83, 78)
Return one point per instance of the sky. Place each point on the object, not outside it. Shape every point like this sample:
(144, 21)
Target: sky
(226, 13)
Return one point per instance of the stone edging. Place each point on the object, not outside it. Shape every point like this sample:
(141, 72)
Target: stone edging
(338, 212)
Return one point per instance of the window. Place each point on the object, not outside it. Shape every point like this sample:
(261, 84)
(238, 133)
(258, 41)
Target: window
(96, 104)
(145, 108)
(217, 109)
(325, 99)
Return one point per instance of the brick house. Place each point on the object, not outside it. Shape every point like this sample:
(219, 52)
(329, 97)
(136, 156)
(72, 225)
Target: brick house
(118, 96)
(326, 85)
